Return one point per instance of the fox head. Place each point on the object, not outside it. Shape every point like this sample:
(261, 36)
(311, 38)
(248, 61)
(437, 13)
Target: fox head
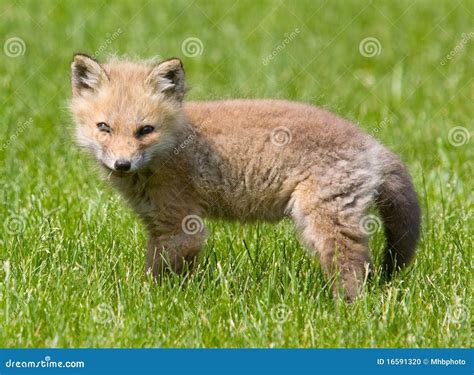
(126, 113)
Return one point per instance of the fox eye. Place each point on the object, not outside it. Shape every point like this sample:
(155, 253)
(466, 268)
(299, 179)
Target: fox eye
(103, 127)
(144, 130)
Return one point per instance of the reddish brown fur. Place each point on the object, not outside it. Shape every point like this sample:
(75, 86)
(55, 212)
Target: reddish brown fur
(230, 159)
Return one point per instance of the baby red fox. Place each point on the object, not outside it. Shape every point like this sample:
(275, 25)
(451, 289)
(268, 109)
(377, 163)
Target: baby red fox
(177, 163)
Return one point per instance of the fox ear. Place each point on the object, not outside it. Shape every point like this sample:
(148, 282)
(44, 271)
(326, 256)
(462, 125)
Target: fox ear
(168, 78)
(86, 74)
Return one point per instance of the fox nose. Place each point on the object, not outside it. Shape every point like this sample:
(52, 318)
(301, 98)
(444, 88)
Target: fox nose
(122, 165)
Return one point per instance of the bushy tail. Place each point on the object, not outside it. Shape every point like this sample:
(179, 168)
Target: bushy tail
(398, 205)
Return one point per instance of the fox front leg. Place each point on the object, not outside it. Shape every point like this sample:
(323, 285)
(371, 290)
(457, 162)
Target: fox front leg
(175, 251)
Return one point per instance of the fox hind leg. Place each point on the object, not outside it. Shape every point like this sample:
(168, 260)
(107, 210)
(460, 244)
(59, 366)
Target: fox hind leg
(340, 244)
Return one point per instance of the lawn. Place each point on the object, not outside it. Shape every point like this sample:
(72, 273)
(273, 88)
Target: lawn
(72, 252)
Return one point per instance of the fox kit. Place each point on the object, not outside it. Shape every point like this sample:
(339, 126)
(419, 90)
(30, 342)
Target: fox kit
(177, 163)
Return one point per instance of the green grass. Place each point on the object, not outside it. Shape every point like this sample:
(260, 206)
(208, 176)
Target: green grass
(72, 252)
